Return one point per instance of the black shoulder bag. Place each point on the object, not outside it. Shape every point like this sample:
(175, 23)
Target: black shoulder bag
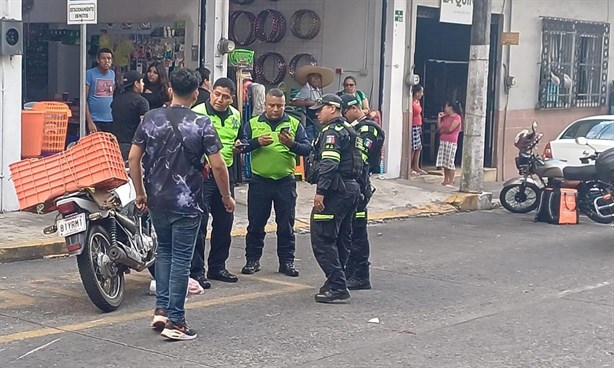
(192, 158)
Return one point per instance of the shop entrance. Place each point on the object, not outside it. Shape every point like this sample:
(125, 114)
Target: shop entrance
(442, 60)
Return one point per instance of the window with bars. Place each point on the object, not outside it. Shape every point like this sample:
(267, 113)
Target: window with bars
(574, 63)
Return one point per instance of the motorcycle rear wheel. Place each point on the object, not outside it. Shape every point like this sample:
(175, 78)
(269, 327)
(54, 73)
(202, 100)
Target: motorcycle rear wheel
(587, 208)
(102, 280)
(517, 201)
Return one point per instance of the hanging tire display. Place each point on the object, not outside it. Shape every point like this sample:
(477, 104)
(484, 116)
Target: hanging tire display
(232, 28)
(292, 66)
(278, 26)
(282, 68)
(297, 20)
(242, 2)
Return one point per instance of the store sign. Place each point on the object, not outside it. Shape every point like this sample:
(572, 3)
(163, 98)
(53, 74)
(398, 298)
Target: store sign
(82, 11)
(456, 11)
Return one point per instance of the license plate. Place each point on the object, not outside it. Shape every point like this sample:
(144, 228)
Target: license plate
(72, 225)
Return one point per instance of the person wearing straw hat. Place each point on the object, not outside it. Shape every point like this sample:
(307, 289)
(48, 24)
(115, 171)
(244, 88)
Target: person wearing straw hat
(313, 78)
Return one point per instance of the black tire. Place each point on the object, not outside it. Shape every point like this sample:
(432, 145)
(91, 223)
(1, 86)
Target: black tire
(590, 212)
(520, 198)
(91, 277)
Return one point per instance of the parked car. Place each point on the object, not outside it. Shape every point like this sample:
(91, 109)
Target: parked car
(598, 130)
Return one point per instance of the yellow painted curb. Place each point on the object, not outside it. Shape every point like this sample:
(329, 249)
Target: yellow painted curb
(37, 249)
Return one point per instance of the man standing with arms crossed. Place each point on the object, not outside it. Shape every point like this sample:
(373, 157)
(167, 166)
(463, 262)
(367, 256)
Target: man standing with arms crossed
(274, 139)
(173, 192)
(227, 122)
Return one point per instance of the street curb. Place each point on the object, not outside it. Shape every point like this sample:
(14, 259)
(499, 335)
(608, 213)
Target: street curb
(37, 249)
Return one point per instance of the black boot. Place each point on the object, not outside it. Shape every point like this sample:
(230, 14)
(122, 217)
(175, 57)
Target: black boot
(332, 296)
(288, 269)
(251, 267)
(359, 280)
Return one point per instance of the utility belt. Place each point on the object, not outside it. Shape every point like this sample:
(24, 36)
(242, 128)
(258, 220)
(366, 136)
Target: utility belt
(262, 179)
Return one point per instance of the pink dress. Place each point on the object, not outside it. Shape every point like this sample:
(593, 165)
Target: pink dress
(448, 142)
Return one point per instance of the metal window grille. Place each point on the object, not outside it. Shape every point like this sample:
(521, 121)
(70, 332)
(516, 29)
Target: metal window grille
(574, 63)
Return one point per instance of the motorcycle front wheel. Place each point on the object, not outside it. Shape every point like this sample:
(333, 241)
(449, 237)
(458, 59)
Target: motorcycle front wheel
(520, 198)
(103, 281)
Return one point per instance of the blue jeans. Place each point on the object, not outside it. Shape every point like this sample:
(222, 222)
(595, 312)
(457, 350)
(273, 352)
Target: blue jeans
(176, 239)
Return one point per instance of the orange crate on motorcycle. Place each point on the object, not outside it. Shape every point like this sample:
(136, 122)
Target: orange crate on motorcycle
(94, 162)
(56, 124)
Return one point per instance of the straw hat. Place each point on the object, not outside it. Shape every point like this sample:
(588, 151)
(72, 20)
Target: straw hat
(328, 75)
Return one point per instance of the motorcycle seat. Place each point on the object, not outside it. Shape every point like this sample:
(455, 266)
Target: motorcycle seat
(581, 173)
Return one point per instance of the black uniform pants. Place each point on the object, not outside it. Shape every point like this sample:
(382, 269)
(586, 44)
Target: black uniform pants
(358, 263)
(220, 232)
(331, 233)
(261, 194)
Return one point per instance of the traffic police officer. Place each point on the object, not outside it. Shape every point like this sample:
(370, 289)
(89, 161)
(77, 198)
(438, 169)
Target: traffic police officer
(357, 269)
(337, 163)
(227, 122)
(275, 139)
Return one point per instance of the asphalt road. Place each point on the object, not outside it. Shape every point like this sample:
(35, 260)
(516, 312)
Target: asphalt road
(487, 289)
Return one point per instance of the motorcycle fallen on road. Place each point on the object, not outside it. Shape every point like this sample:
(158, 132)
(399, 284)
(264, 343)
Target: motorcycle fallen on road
(109, 237)
(521, 195)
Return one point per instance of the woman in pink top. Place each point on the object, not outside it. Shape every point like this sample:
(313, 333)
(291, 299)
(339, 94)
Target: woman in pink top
(449, 125)
(416, 129)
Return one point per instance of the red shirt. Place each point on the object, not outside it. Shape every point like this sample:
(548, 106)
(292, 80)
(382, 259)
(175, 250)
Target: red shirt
(416, 113)
(446, 123)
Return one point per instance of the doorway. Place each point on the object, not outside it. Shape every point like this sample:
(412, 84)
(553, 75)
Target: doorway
(442, 60)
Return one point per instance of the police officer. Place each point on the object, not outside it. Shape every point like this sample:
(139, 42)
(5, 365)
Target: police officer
(275, 139)
(227, 122)
(337, 163)
(357, 269)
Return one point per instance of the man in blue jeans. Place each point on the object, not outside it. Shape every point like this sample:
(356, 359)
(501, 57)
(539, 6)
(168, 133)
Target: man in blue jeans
(172, 142)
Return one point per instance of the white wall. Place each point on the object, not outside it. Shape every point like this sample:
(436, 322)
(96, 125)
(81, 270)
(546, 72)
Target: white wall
(10, 108)
(525, 57)
(349, 38)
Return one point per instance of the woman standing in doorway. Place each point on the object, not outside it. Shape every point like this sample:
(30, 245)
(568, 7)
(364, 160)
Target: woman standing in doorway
(449, 125)
(157, 86)
(417, 91)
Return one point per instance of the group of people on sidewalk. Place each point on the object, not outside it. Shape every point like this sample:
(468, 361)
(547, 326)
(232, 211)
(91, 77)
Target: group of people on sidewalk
(179, 158)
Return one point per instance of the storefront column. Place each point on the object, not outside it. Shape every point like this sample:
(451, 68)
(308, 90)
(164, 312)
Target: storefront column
(10, 112)
(395, 91)
(216, 28)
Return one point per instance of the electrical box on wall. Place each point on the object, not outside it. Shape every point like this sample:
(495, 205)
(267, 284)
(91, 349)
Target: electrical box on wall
(11, 33)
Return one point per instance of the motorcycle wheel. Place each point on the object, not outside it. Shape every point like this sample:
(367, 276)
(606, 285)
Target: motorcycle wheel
(515, 201)
(103, 281)
(586, 207)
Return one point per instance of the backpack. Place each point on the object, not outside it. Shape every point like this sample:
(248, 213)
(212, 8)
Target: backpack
(558, 206)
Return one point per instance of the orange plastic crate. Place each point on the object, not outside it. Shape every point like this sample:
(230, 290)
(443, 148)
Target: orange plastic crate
(56, 124)
(95, 162)
(32, 125)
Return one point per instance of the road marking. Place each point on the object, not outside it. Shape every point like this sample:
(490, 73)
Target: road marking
(38, 348)
(60, 291)
(582, 289)
(12, 300)
(48, 331)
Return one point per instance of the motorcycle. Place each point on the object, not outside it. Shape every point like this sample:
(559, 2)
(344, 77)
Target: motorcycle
(604, 165)
(108, 236)
(521, 195)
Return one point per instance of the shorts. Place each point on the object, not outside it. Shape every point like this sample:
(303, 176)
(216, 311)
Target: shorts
(416, 137)
(446, 155)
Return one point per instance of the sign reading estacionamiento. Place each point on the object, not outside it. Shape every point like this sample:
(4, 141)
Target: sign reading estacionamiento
(82, 11)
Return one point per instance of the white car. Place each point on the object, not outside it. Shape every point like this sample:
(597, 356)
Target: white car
(598, 130)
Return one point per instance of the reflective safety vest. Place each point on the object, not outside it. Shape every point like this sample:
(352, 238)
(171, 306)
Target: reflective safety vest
(274, 161)
(227, 130)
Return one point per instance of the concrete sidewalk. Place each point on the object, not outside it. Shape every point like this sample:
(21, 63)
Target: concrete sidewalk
(21, 236)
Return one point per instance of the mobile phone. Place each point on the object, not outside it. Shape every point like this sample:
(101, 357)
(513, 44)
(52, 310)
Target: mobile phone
(242, 145)
(285, 130)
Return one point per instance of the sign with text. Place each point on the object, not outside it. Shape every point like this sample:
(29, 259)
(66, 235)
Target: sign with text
(82, 12)
(456, 11)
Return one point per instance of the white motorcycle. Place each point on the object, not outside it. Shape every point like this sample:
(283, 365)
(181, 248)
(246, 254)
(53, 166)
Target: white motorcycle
(109, 236)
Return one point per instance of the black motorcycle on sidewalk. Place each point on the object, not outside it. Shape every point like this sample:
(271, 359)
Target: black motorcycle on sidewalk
(521, 195)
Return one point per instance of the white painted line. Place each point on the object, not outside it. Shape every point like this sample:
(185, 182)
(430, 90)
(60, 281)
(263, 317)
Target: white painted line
(582, 289)
(38, 348)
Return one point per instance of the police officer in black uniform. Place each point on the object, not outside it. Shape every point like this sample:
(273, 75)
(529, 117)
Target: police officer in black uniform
(337, 163)
(357, 268)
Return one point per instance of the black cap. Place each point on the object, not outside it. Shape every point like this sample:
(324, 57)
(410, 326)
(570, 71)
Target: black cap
(349, 101)
(130, 77)
(329, 99)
